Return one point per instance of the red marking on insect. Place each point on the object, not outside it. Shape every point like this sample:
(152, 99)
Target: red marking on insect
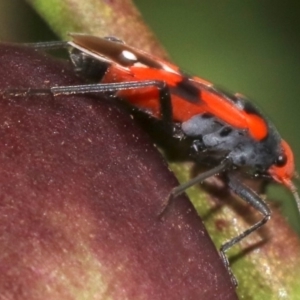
(226, 127)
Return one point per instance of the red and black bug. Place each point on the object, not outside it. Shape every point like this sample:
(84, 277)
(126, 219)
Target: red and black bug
(226, 127)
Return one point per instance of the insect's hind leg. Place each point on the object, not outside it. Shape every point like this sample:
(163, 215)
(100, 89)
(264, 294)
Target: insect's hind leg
(53, 45)
(164, 93)
(255, 201)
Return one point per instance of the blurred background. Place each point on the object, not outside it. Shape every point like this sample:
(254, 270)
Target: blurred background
(252, 47)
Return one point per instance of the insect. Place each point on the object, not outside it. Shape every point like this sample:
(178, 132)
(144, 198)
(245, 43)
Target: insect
(225, 127)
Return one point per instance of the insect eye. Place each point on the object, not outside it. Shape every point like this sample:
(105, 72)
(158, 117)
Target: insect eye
(281, 160)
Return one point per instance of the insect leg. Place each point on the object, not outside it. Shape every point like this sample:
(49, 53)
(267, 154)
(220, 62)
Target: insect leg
(164, 93)
(166, 111)
(255, 201)
(54, 45)
(225, 164)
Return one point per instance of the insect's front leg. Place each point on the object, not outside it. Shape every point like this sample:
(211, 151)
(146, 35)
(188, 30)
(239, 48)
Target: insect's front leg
(224, 165)
(255, 201)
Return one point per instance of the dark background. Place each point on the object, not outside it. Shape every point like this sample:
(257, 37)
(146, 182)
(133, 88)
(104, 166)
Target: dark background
(252, 47)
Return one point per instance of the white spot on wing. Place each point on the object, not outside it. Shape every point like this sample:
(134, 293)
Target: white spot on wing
(129, 55)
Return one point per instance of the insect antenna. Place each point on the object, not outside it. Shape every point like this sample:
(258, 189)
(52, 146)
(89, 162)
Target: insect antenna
(297, 198)
(294, 191)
